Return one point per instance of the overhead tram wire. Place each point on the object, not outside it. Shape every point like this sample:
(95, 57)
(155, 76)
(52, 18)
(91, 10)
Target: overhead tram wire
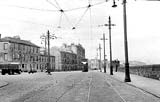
(44, 10)
(52, 4)
(80, 18)
(67, 19)
(90, 17)
(90, 23)
(57, 4)
(63, 11)
(99, 3)
(73, 9)
(60, 20)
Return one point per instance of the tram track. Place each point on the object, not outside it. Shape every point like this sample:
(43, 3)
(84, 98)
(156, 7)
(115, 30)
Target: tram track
(144, 92)
(71, 84)
(75, 84)
(115, 90)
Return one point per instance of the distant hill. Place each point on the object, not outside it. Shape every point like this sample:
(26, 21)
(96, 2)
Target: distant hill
(133, 63)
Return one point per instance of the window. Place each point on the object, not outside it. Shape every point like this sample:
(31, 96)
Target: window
(37, 50)
(5, 46)
(5, 56)
(16, 46)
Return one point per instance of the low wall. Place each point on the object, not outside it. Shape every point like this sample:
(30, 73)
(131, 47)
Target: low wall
(149, 71)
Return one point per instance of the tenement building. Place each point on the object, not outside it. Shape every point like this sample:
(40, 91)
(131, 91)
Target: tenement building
(80, 52)
(23, 52)
(68, 57)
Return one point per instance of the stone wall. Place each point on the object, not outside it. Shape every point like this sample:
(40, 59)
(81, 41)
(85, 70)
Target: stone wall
(149, 71)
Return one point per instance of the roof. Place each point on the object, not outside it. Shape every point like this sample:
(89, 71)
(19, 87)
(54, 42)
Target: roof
(18, 40)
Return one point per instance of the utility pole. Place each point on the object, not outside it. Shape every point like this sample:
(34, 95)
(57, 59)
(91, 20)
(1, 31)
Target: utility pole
(100, 57)
(97, 60)
(110, 44)
(127, 73)
(104, 52)
(47, 41)
(48, 64)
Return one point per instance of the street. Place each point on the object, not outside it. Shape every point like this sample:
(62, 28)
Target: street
(91, 86)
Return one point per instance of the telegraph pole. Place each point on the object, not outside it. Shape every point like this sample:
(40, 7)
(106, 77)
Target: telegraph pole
(45, 42)
(127, 74)
(110, 44)
(46, 39)
(48, 64)
(100, 57)
(104, 52)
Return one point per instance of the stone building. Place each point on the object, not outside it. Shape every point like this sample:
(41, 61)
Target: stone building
(27, 54)
(68, 57)
(65, 59)
(80, 52)
(43, 60)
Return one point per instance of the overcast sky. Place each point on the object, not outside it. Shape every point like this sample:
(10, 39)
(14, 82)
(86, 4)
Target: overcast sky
(32, 18)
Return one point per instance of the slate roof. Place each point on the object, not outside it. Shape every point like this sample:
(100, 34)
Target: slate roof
(18, 41)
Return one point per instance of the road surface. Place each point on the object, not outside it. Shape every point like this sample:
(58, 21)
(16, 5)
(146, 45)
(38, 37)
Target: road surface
(90, 86)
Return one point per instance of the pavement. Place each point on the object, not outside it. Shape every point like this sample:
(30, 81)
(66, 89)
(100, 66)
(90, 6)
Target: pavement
(148, 85)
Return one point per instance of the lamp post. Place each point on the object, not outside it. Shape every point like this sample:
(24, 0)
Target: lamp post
(100, 57)
(104, 52)
(127, 73)
(47, 41)
(110, 44)
(48, 64)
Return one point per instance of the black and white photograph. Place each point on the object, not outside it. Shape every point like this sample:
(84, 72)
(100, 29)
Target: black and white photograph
(79, 51)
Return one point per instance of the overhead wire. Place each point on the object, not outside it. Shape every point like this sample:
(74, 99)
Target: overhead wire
(33, 8)
(75, 9)
(90, 22)
(83, 7)
(81, 17)
(99, 3)
(60, 20)
(67, 19)
(63, 11)
(90, 16)
(57, 4)
(52, 4)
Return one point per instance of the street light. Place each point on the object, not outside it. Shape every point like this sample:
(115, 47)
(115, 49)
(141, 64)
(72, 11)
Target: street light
(104, 52)
(100, 57)
(127, 73)
(47, 41)
(114, 4)
(110, 45)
